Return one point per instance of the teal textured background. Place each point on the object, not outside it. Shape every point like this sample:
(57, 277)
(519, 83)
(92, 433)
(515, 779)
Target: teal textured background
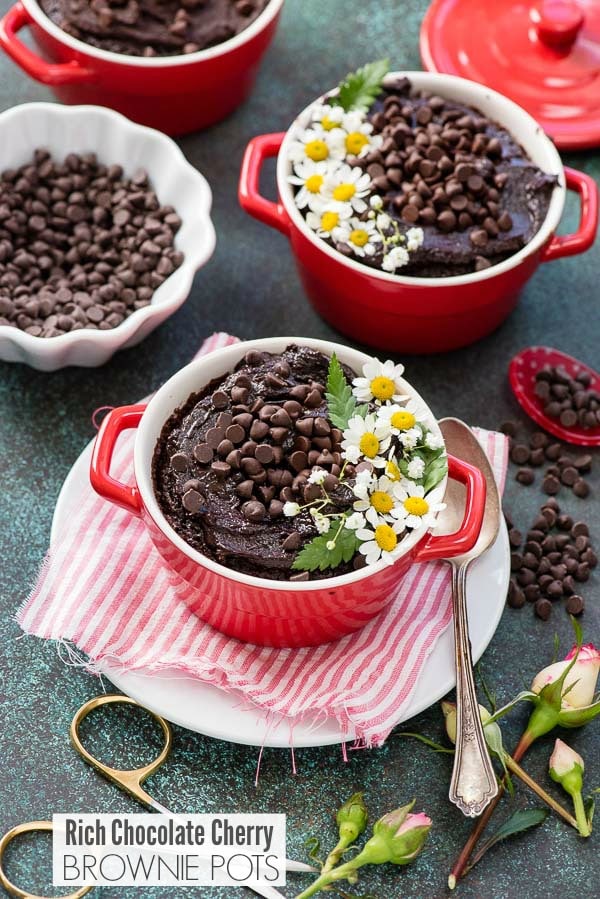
(250, 288)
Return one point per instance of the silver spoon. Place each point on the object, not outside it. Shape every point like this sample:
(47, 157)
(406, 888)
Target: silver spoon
(473, 784)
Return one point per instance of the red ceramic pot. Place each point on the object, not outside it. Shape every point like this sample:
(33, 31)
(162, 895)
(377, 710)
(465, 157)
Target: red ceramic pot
(421, 315)
(176, 94)
(253, 609)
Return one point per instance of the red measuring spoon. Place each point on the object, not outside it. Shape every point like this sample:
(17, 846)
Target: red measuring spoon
(521, 374)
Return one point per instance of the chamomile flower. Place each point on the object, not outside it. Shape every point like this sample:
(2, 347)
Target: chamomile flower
(327, 118)
(411, 438)
(347, 184)
(321, 522)
(377, 501)
(380, 382)
(355, 521)
(396, 258)
(381, 543)
(392, 469)
(310, 177)
(366, 438)
(433, 441)
(315, 145)
(414, 239)
(364, 479)
(362, 237)
(359, 138)
(401, 418)
(412, 508)
(329, 218)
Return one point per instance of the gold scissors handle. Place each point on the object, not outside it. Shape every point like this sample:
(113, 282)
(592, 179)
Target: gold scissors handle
(9, 886)
(129, 780)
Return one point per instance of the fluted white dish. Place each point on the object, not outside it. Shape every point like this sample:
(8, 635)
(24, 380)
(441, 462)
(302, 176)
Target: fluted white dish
(115, 139)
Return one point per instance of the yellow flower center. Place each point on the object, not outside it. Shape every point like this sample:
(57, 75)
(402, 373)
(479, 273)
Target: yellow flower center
(314, 183)
(369, 445)
(355, 141)
(382, 502)
(359, 237)
(317, 150)
(329, 221)
(392, 471)
(344, 192)
(385, 538)
(328, 125)
(415, 505)
(382, 388)
(403, 420)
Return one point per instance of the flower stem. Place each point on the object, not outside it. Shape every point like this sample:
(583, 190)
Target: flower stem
(539, 791)
(344, 872)
(582, 823)
(335, 855)
(482, 822)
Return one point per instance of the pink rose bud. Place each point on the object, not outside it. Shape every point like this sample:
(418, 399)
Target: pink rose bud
(580, 683)
(398, 837)
(564, 759)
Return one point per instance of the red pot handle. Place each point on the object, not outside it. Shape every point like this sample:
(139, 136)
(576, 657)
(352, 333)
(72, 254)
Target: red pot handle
(115, 422)
(272, 214)
(48, 73)
(449, 545)
(582, 240)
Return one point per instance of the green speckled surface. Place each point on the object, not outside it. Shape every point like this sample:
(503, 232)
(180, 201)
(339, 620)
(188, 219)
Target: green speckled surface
(250, 288)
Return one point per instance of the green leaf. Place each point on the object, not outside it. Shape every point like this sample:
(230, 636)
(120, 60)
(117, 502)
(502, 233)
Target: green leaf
(578, 632)
(313, 847)
(315, 554)
(519, 821)
(435, 472)
(437, 747)
(524, 696)
(340, 399)
(360, 89)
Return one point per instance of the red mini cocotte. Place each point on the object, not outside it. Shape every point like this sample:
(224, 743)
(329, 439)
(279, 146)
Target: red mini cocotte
(175, 94)
(253, 609)
(421, 315)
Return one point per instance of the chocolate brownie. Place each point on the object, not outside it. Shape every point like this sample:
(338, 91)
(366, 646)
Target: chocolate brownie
(153, 27)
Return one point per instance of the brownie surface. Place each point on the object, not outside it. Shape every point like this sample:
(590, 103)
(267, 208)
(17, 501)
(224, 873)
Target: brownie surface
(153, 27)
(219, 528)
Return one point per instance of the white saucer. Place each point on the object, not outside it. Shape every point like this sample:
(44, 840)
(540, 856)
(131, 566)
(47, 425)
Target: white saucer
(208, 710)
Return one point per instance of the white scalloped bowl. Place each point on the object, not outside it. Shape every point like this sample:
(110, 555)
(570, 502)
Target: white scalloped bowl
(115, 139)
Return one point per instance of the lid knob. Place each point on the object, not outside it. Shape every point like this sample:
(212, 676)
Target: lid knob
(558, 22)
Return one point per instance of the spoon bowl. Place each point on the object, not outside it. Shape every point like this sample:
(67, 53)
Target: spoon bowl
(521, 374)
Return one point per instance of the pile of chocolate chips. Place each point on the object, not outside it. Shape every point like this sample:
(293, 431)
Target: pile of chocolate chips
(556, 558)
(569, 399)
(153, 27)
(440, 165)
(81, 246)
(248, 440)
(565, 470)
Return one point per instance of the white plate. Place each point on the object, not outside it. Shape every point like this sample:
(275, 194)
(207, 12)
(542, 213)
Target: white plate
(208, 710)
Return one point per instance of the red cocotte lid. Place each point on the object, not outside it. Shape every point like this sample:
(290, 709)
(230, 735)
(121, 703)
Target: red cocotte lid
(543, 54)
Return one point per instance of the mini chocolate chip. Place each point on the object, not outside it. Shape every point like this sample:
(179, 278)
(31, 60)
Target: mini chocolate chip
(275, 508)
(292, 542)
(245, 489)
(221, 469)
(235, 433)
(220, 399)
(192, 501)
(551, 485)
(575, 604)
(553, 451)
(180, 461)
(537, 457)
(543, 609)
(278, 435)
(532, 592)
(264, 454)
(214, 436)
(253, 511)
(554, 589)
(525, 476)
(313, 400)
(583, 464)
(259, 429)
(519, 454)
(225, 447)
(515, 538)
(581, 488)
(509, 428)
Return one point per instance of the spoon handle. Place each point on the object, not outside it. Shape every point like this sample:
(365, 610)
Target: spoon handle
(473, 784)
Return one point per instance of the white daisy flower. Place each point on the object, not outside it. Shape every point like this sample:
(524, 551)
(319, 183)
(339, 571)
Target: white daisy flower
(392, 469)
(396, 258)
(411, 438)
(380, 382)
(317, 476)
(316, 145)
(290, 510)
(381, 543)
(416, 469)
(327, 118)
(377, 501)
(413, 509)
(321, 522)
(348, 184)
(328, 219)
(364, 479)
(355, 521)
(433, 441)
(359, 139)
(402, 418)
(310, 177)
(362, 237)
(366, 438)
(414, 239)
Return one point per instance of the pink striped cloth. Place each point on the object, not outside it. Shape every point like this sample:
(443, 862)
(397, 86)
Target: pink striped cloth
(127, 613)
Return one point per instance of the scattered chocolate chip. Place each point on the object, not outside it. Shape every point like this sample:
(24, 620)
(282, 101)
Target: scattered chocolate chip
(519, 454)
(551, 485)
(525, 476)
(515, 538)
(581, 488)
(543, 609)
(575, 604)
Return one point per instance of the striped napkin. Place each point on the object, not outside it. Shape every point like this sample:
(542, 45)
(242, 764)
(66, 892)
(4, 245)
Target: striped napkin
(104, 588)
